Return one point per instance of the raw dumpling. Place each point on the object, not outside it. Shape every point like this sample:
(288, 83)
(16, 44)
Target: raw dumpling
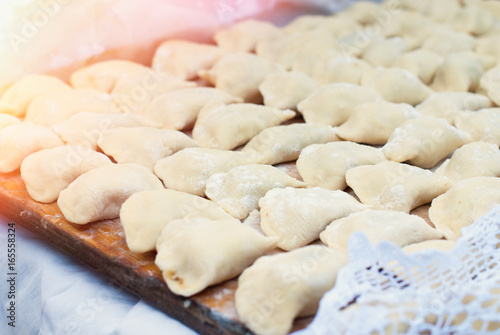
(47, 172)
(143, 145)
(473, 20)
(244, 35)
(442, 11)
(183, 59)
(194, 253)
(440, 245)
(447, 105)
(239, 190)
(396, 85)
(270, 295)
(85, 128)
(395, 186)
(222, 126)
(179, 109)
(304, 23)
(20, 140)
(445, 41)
(284, 143)
(189, 169)
(464, 203)
(103, 75)
(483, 125)
(374, 122)
(384, 52)
(240, 75)
(379, 225)
(298, 216)
(339, 25)
(472, 160)
(145, 214)
(325, 165)
(424, 141)
(8, 120)
(52, 108)
(488, 84)
(421, 62)
(99, 193)
(333, 104)
(363, 12)
(342, 69)
(460, 72)
(16, 99)
(284, 90)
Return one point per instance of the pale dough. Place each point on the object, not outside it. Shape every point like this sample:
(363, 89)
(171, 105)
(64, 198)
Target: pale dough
(341, 69)
(284, 90)
(483, 125)
(440, 245)
(459, 72)
(384, 52)
(8, 120)
(445, 41)
(421, 62)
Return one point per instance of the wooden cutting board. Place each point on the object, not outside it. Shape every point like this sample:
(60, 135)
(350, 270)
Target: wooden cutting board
(101, 246)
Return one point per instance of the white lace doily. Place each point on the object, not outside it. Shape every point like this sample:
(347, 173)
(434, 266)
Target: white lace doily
(429, 292)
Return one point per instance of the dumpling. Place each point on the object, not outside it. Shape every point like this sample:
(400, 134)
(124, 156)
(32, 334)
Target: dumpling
(244, 35)
(20, 140)
(396, 85)
(99, 193)
(325, 165)
(424, 141)
(298, 216)
(447, 105)
(304, 23)
(445, 41)
(353, 45)
(194, 253)
(133, 93)
(395, 186)
(284, 143)
(379, 225)
(483, 125)
(284, 90)
(421, 62)
(270, 295)
(183, 59)
(363, 12)
(473, 20)
(85, 128)
(342, 69)
(339, 25)
(441, 11)
(16, 99)
(440, 245)
(333, 104)
(52, 108)
(384, 52)
(103, 75)
(189, 169)
(8, 120)
(488, 84)
(240, 75)
(239, 190)
(459, 72)
(144, 215)
(222, 126)
(47, 172)
(179, 109)
(143, 145)
(374, 122)
(472, 160)
(464, 203)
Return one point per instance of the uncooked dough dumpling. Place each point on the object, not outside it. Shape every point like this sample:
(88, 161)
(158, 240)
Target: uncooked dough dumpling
(384, 52)
(20, 140)
(304, 23)
(179, 109)
(363, 12)
(144, 215)
(421, 62)
(424, 141)
(8, 120)
(239, 190)
(143, 145)
(325, 165)
(440, 245)
(333, 104)
(103, 75)
(52, 108)
(222, 126)
(284, 143)
(396, 85)
(379, 225)
(284, 90)
(395, 186)
(269, 298)
(189, 169)
(240, 75)
(464, 203)
(447, 105)
(488, 84)
(342, 69)
(298, 216)
(374, 122)
(473, 20)
(99, 193)
(47, 172)
(16, 99)
(194, 253)
(483, 125)
(245, 35)
(444, 41)
(472, 160)
(85, 128)
(183, 59)
(459, 72)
